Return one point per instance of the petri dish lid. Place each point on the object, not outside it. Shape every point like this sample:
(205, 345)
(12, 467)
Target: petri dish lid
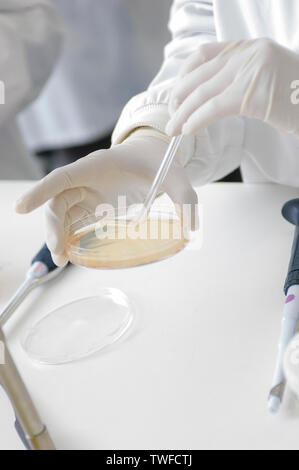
(80, 328)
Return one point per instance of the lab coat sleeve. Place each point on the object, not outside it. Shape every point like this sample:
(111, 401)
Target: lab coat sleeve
(30, 40)
(213, 153)
(191, 24)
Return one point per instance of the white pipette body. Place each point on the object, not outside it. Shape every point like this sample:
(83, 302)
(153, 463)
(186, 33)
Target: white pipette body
(288, 329)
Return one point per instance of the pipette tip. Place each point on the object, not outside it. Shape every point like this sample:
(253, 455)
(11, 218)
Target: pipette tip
(274, 403)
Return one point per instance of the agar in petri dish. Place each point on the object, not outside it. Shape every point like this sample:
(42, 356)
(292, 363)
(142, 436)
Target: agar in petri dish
(118, 243)
(80, 328)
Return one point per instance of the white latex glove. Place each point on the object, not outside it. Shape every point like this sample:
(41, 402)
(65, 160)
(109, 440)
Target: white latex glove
(75, 191)
(248, 78)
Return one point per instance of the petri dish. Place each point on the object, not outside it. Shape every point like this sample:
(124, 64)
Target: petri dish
(80, 328)
(107, 240)
(116, 241)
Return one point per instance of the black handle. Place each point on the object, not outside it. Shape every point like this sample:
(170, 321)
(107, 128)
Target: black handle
(290, 212)
(44, 256)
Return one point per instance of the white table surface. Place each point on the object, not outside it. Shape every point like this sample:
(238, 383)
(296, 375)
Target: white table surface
(195, 371)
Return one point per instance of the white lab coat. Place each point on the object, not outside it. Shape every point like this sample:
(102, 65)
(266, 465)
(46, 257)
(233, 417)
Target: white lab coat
(30, 38)
(101, 67)
(265, 154)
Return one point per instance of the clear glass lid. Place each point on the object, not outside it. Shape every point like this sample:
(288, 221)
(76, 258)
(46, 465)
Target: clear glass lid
(80, 328)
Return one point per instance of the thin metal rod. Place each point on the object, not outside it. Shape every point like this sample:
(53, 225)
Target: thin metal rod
(28, 285)
(27, 415)
(16, 300)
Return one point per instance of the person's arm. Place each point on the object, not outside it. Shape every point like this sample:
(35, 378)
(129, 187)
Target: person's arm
(215, 152)
(127, 169)
(30, 38)
(191, 25)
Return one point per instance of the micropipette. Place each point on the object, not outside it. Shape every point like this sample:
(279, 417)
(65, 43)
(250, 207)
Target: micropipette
(32, 432)
(29, 426)
(290, 320)
(42, 270)
(160, 176)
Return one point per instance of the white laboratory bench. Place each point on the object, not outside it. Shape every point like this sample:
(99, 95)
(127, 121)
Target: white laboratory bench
(195, 370)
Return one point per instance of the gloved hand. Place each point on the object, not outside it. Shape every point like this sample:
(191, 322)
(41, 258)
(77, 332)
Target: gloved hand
(248, 78)
(75, 191)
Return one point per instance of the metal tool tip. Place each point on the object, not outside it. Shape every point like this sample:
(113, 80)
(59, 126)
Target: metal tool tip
(274, 404)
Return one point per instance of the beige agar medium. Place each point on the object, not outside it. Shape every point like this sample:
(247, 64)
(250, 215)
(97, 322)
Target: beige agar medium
(117, 243)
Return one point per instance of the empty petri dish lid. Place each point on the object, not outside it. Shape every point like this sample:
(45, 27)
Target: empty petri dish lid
(80, 328)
